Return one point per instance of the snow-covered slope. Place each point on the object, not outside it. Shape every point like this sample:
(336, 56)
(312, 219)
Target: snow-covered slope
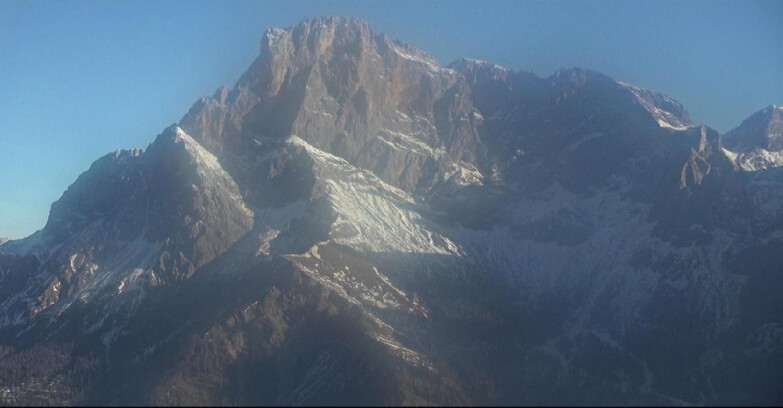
(757, 143)
(755, 160)
(666, 111)
(353, 223)
(115, 229)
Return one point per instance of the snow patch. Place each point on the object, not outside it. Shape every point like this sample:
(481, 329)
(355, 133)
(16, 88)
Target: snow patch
(381, 217)
(430, 64)
(755, 160)
(664, 118)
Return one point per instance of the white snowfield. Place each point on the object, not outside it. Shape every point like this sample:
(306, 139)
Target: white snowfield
(430, 64)
(755, 160)
(385, 219)
(380, 218)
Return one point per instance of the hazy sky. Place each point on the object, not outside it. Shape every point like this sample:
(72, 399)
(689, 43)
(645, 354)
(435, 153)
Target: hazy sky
(81, 79)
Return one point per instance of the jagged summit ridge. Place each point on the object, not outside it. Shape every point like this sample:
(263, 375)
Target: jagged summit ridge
(668, 112)
(351, 212)
(152, 217)
(335, 84)
(387, 107)
(757, 143)
(763, 129)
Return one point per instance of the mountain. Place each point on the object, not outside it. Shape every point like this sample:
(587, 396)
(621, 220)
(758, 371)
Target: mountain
(763, 129)
(757, 143)
(353, 223)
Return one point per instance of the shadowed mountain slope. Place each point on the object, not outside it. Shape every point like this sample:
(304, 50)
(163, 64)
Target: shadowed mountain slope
(353, 223)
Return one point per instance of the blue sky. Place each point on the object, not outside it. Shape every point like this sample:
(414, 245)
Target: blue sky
(81, 79)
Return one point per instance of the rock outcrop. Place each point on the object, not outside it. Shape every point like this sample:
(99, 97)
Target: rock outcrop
(353, 223)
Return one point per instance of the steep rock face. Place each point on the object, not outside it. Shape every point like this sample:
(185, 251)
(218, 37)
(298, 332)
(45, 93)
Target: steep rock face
(557, 127)
(530, 112)
(379, 104)
(556, 151)
(353, 224)
(135, 218)
(666, 111)
(763, 129)
(757, 143)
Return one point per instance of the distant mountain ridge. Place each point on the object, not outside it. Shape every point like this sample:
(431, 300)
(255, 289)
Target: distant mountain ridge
(353, 223)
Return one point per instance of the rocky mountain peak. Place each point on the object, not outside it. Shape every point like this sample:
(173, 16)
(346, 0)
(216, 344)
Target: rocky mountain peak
(668, 112)
(473, 68)
(576, 77)
(311, 40)
(665, 111)
(382, 105)
(763, 129)
(350, 203)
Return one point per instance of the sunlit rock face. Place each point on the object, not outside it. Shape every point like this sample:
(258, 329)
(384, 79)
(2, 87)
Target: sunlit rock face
(354, 223)
(757, 143)
(763, 129)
